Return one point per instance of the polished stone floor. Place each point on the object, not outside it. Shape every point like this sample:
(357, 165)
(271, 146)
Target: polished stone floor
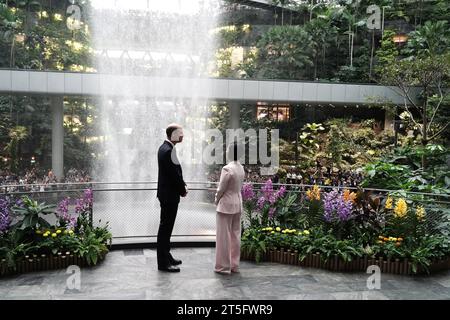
(132, 274)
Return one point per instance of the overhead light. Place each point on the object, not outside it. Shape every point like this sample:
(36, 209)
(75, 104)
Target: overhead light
(400, 38)
(127, 131)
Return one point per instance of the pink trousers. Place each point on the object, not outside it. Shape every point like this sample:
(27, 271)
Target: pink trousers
(228, 242)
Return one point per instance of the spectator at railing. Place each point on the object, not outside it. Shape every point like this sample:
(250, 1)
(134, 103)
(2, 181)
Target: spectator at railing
(32, 180)
(316, 175)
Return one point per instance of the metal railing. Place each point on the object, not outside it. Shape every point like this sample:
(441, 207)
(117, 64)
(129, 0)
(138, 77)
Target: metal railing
(132, 209)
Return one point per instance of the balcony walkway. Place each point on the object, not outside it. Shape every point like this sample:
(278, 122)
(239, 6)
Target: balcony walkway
(132, 274)
(92, 84)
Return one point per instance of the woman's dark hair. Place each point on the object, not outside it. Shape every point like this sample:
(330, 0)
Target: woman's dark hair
(235, 150)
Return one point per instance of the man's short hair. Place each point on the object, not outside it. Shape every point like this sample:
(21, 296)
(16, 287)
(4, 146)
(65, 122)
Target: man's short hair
(171, 128)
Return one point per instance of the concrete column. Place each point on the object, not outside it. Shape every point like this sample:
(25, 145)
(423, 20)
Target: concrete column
(57, 107)
(234, 108)
(389, 117)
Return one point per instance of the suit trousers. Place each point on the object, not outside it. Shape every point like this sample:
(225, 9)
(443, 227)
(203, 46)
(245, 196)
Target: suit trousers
(228, 242)
(167, 220)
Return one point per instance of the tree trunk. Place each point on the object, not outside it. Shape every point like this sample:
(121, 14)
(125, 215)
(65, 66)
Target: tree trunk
(11, 58)
(424, 128)
(371, 54)
(323, 62)
(315, 68)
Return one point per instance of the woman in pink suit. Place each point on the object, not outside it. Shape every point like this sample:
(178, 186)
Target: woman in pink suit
(229, 208)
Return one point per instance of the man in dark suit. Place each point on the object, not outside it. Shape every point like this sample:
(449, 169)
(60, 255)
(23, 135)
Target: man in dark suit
(171, 187)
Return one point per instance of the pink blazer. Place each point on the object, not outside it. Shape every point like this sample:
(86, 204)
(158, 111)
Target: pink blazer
(228, 195)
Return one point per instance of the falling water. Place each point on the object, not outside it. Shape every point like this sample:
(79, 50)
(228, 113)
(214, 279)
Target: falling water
(154, 38)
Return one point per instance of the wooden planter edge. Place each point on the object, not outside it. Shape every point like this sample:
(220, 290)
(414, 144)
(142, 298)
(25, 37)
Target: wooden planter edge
(314, 260)
(45, 262)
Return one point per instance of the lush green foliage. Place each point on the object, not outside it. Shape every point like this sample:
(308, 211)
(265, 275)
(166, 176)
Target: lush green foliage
(389, 226)
(31, 234)
(287, 51)
(401, 170)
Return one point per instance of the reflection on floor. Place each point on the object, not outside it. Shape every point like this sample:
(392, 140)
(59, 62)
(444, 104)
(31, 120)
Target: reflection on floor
(132, 274)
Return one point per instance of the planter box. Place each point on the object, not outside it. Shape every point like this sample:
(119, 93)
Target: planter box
(44, 262)
(314, 260)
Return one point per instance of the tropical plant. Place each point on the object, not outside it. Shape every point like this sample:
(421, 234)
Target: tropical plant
(16, 134)
(13, 246)
(31, 214)
(325, 36)
(254, 242)
(285, 52)
(430, 75)
(430, 39)
(91, 248)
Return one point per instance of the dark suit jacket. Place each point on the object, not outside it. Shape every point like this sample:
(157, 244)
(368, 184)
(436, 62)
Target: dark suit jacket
(170, 176)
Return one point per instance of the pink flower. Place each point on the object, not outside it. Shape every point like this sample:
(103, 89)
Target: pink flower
(271, 212)
(247, 192)
(261, 202)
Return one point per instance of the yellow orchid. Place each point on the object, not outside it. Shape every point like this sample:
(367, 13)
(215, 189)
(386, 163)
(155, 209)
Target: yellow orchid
(306, 232)
(349, 196)
(388, 204)
(54, 235)
(278, 229)
(420, 213)
(400, 208)
(314, 193)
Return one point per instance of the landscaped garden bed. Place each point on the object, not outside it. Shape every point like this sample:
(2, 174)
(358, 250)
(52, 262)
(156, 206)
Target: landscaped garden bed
(342, 230)
(28, 242)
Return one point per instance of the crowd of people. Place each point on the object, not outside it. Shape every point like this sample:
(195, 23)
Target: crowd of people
(323, 176)
(39, 180)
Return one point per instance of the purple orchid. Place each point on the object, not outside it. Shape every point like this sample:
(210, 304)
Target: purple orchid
(261, 202)
(247, 192)
(62, 212)
(5, 214)
(336, 208)
(84, 204)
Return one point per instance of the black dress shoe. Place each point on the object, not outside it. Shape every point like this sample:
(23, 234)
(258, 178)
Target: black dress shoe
(169, 269)
(174, 261)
